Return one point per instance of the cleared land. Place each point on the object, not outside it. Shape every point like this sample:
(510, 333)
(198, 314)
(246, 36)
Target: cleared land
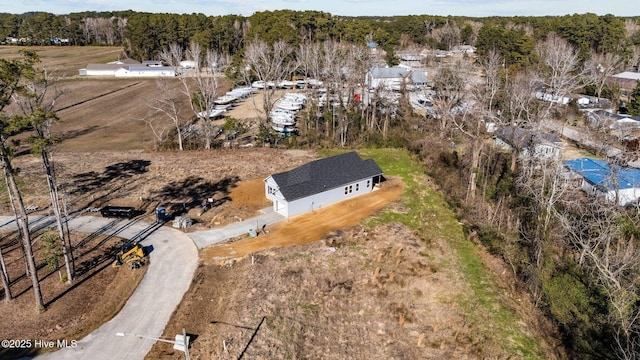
(405, 283)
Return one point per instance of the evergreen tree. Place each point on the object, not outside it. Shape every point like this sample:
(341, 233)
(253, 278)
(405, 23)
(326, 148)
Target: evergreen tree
(13, 73)
(634, 101)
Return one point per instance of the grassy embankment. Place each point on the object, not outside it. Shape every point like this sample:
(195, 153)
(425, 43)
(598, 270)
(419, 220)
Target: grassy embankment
(427, 212)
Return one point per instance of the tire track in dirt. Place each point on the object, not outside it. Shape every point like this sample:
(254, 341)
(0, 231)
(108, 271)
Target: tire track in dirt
(98, 96)
(312, 226)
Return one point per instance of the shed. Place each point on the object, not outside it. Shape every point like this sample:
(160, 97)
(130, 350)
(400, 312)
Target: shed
(614, 183)
(321, 182)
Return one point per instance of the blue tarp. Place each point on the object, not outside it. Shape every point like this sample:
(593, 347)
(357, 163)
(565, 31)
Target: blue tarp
(605, 176)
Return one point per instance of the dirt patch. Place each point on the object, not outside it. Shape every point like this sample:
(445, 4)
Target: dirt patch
(374, 293)
(309, 227)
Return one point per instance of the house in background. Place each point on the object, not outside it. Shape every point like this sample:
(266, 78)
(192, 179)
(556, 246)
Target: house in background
(464, 49)
(129, 68)
(543, 145)
(614, 183)
(627, 81)
(321, 182)
(393, 78)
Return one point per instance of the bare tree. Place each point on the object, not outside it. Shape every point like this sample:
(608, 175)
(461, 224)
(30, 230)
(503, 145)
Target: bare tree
(600, 67)
(158, 125)
(470, 123)
(520, 109)
(491, 65)
(359, 62)
(450, 88)
(12, 75)
(5, 279)
(37, 104)
(307, 56)
(632, 29)
(200, 85)
(543, 182)
(562, 73)
(449, 35)
(478, 110)
(270, 64)
(611, 255)
(634, 61)
(520, 106)
(167, 105)
(334, 64)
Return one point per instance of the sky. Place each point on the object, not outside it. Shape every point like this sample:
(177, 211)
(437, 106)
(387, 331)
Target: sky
(474, 8)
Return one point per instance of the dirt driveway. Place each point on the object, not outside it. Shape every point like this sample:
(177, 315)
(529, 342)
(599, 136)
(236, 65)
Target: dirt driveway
(309, 227)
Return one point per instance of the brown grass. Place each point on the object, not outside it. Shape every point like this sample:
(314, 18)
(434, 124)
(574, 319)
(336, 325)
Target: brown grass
(66, 60)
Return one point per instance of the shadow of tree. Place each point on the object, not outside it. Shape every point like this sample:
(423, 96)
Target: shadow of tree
(103, 257)
(113, 178)
(77, 133)
(181, 196)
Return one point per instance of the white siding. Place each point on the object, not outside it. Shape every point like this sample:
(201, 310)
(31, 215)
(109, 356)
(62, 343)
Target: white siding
(625, 196)
(96, 72)
(272, 193)
(313, 202)
(152, 72)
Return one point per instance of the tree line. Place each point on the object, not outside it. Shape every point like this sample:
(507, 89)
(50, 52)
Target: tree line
(144, 35)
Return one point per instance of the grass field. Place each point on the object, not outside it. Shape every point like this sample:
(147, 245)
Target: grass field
(66, 60)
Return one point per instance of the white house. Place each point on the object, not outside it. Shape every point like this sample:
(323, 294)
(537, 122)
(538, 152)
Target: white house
(541, 146)
(464, 49)
(321, 182)
(392, 78)
(146, 71)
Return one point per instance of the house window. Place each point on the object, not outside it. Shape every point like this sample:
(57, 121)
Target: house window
(368, 183)
(346, 190)
(272, 190)
(350, 189)
(357, 187)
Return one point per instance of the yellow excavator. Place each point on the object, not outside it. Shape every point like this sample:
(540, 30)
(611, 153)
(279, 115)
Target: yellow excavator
(130, 253)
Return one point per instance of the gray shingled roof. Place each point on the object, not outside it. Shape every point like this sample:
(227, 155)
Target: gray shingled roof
(324, 174)
(418, 77)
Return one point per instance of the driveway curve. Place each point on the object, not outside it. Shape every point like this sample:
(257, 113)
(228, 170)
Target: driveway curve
(173, 260)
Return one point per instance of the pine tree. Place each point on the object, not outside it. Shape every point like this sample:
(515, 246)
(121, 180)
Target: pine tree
(634, 101)
(13, 73)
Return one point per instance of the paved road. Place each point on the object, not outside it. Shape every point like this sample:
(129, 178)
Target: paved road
(214, 236)
(173, 261)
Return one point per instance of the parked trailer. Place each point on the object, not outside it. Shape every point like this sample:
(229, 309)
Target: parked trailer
(118, 211)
